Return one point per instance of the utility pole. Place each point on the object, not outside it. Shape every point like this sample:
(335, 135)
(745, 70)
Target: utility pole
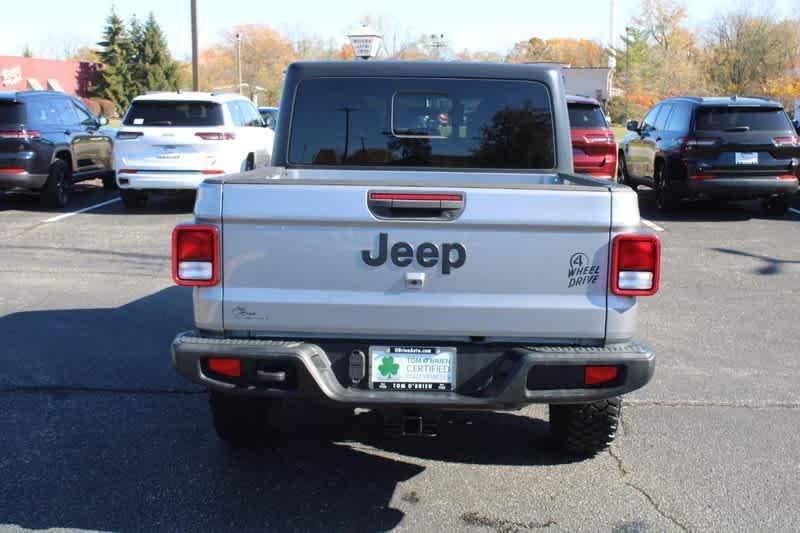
(627, 68)
(195, 58)
(239, 59)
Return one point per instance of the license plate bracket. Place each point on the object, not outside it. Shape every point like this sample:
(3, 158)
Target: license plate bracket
(412, 368)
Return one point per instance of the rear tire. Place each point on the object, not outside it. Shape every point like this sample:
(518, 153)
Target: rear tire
(242, 421)
(622, 172)
(110, 182)
(133, 199)
(667, 199)
(57, 189)
(587, 428)
(775, 207)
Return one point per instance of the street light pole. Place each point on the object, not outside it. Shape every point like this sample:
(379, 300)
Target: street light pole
(627, 68)
(239, 59)
(195, 58)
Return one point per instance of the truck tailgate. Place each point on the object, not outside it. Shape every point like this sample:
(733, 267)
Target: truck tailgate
(516, 263)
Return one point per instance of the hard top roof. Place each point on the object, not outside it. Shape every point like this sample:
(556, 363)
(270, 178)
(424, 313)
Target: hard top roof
(717, 101)
(15, 95)
(189, 96)
(422, 69)
(580, 99)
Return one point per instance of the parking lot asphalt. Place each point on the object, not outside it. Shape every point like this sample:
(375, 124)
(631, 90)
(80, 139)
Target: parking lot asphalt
(98, 433)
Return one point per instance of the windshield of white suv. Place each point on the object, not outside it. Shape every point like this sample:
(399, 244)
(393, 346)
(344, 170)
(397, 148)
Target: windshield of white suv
(174, 113)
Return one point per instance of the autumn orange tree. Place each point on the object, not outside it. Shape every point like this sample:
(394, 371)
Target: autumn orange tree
(265, 55)
(573, 52)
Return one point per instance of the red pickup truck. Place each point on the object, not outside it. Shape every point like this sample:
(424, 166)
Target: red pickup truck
(594, 149)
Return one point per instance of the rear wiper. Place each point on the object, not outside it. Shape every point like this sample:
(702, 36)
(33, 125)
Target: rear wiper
(738, 128)
(160, 123)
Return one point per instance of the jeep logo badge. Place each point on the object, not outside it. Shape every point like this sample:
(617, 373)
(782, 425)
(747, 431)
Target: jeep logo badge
(453, 254)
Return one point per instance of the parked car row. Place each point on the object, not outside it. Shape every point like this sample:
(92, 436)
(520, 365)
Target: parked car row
(167, 142)
(48, 141)
(721, 148)
(173, 141)
(724, 148)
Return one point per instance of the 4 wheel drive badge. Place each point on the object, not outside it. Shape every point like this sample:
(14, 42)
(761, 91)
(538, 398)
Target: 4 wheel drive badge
(581, 271)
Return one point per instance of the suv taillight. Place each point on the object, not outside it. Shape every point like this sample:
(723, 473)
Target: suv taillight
(25, 135)
(786, 142)
(216, 135)
(195, 255)
(599, 138)
(694, 143)
(635, 265)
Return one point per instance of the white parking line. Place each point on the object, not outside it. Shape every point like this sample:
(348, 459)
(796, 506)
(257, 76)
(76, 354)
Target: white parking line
(79, 211)
(793, 210)
(652, 225)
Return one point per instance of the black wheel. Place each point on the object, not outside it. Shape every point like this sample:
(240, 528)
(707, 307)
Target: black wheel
(242, 421)
(57, 189)
(622, 172)
(586, 428)
(667, 199)
(775, 207)
(133, 199)
(250, 163)
(110, 182)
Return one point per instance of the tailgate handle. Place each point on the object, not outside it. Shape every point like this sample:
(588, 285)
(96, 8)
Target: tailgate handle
(433, 205)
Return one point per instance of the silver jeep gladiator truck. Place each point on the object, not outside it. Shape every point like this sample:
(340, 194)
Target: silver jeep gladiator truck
(421, 245)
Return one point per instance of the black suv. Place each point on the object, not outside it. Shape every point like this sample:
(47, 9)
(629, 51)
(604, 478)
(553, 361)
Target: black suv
(725, 148)
(48, 141)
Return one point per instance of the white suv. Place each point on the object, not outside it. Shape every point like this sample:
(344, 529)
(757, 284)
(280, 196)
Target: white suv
(173, 141)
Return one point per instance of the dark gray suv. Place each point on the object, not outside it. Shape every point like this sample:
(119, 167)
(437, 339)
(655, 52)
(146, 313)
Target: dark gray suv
(48, 141)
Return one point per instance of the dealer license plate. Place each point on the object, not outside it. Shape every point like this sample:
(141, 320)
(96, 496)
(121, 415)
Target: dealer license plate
(412, 368)
(746, 158)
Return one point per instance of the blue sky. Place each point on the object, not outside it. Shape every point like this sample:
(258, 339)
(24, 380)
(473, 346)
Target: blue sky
(494, 26)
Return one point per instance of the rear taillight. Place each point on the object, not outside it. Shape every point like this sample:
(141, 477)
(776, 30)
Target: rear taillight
(786, 142)
(216, 135)
(12, 170)
(23, 135)
(599, 138)
(212, 172)
(699, 143)
(127, 171)
(635, 265)
(195, 255)
(128, 135)
(787, 177)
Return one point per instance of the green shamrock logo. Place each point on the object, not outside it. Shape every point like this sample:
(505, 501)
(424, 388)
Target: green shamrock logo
(388, 367)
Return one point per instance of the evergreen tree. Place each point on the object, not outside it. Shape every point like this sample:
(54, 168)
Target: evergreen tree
(135, 52)
(160, 71)
(114, 79)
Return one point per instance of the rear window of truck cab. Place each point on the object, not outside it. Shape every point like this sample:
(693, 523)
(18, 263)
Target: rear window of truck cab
(731, 118)
(173, 113)
(426, 122)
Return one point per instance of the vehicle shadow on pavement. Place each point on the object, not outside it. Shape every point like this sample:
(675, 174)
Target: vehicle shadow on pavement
(698, 210)
(84, 194)
(99, 433)
(770, 266)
